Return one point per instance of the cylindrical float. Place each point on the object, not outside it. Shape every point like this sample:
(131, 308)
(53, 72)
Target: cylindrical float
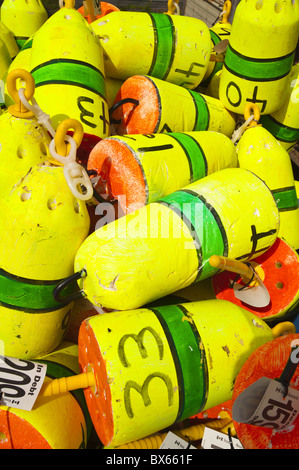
(60, 423)
(23, 18)
(173, 48)
(284, 123)
(260, 55)
(165, 245)
(143, 168)
(155, 367)
(68, 70)
(259, 152)
(43, 225)
(268, 360)
(146, 105)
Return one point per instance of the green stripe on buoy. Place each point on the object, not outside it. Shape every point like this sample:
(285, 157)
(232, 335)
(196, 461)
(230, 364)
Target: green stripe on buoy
(286, 199)
(258, 69)
(194, 153)
(279, 130)
(202, 117)
(70, 72)
(164, 45)
(189, 359)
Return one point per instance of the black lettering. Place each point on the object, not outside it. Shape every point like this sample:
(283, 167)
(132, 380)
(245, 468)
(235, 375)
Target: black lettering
(190, 72)
(139, 339)
(85, 112)
(255, 100)
(238, 102)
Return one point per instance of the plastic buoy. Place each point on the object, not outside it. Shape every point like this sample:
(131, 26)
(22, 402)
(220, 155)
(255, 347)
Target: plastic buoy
(146, 105)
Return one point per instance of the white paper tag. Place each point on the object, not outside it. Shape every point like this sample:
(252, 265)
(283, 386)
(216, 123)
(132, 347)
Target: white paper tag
(20, 382)
(172, 441)
(262, 404)
(213, 439)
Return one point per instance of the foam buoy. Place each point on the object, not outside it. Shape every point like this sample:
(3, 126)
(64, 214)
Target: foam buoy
(268, 360)
(5, 62)
(23, 18)
(146, 105)
(138, 364)
(43, 226)
(68, 70)
(260, 55)
(63, 423)
(81, 310)
(143, 168)
(173, 237)
(24, 142)
(284, 123)
(259, 152)
(173, 48)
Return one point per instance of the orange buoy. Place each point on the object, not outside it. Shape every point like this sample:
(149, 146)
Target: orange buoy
(268, 360)
(105, 9)
(280, 267)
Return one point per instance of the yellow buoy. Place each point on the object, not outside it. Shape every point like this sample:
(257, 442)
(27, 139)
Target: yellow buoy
(284, 123)
(68, 70)
(259, 152)
(23, 18)
(63, 423)
(173, 48)
(260, 55)
(146, 105)
(138, 169)
(139, 364)
(43, 225)
(165, 245)
(5, 62)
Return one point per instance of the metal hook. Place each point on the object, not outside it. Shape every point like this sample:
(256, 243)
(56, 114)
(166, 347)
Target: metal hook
(66, 299)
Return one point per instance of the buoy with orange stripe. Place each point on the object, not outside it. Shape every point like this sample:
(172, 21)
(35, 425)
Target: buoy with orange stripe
(63, 423)
(284, 123)
(165, 245)
(270, 360)
(173, 48)
(68, 70)
(94, 9)
(43, 224)
(137, 169)
(147, 105)
(139, 364)
(24, 141)
(23, 18)
(260, 55)
(259, 152)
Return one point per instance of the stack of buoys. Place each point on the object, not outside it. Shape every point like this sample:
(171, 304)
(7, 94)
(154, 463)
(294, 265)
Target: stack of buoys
(149, 218)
